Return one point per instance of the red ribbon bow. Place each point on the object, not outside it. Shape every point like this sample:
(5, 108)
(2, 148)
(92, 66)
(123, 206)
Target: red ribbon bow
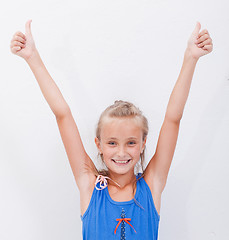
(123, 219)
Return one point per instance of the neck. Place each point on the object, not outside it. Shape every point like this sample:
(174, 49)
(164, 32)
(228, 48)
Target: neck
(122, 179)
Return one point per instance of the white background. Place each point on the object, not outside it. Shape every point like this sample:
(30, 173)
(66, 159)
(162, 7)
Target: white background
(97, 52)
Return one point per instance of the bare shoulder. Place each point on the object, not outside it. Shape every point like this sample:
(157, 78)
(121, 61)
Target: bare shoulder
(86, 186)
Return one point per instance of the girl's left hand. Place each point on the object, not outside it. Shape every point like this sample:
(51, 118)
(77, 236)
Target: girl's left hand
(199, 44)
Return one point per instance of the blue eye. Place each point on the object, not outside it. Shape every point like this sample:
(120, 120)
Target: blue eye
(132, 142)
(111, 143)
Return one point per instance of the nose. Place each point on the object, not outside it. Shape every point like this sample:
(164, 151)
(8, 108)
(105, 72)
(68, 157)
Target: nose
(122, 152)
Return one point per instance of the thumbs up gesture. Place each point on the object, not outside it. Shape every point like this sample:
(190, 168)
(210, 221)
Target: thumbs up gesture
(199, 43)
(23, 44)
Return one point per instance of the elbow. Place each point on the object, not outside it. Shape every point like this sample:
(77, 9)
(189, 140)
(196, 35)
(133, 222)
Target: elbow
(175, 118)
(63, 112)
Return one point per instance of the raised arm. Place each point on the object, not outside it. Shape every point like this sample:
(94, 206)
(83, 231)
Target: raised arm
(157, 170)
(23, 45)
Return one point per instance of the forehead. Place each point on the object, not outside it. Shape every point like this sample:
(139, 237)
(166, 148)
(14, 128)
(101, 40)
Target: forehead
(123, 127)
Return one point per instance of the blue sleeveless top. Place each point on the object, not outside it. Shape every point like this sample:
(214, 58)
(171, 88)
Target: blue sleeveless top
(108, 219)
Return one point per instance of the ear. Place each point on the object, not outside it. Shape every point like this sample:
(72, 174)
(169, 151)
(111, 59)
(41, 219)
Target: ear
(97, 143)
(143, 145)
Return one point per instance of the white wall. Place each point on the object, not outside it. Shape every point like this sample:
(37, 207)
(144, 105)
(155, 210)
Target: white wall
(97, 52)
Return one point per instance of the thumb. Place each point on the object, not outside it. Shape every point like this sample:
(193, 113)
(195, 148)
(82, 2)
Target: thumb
(197, 29)
(28, 27)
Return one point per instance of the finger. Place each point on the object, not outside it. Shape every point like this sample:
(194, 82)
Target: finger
(28, 27)
(19, 39)
(205, 31)
(197, 29)
(206, 42)
(16, 43)
(203, 38)
(15, 49)
(20, 34)
(208, 47)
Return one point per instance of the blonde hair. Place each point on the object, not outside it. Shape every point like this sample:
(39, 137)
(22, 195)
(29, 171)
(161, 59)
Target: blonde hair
(118, 110)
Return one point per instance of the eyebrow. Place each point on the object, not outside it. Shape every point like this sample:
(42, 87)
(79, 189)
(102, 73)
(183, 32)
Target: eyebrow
(127, 138)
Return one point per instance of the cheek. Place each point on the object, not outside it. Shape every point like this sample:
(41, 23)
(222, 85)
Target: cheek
(108, 151)
(134, 151)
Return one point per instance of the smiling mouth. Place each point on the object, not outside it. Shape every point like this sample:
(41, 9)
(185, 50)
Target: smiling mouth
(121, 162)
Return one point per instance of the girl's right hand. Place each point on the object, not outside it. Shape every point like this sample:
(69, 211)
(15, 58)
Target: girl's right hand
(23, 45)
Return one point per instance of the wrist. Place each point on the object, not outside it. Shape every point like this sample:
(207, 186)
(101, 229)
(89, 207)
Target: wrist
(189, 57)
(33, 56)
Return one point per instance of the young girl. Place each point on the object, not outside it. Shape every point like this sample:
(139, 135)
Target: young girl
(115, 203)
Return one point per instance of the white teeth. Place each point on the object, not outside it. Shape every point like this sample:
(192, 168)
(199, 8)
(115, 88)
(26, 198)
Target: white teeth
(121, 161)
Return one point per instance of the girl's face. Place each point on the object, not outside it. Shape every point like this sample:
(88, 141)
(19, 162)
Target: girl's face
(121, 143)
